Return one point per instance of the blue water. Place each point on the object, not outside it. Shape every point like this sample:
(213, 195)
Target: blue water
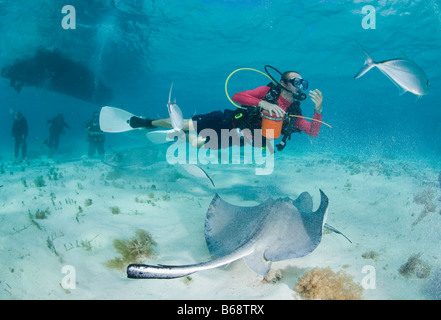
(139, 48)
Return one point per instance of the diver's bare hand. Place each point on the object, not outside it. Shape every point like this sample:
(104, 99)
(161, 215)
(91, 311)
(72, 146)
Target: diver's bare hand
(317, 98)
(272, 108)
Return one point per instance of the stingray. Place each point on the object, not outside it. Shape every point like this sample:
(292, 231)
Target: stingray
(275, 230)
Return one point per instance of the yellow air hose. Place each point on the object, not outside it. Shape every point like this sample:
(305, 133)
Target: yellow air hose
(251, 69)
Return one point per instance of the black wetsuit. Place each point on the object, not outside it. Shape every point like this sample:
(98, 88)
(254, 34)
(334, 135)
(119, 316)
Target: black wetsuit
(95, 137)
(215, 121)
(20, 132)
(56, 128)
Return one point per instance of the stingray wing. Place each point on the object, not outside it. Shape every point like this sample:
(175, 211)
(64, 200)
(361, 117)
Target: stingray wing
(293, 230)
(229, 227)
(278, 229)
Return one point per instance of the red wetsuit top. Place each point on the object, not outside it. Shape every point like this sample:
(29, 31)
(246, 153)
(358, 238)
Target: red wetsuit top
(253, 97)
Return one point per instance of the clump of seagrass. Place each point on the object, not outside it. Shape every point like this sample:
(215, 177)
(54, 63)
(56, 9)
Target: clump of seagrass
(115, 210)
(135, 250)
(39, 182)
(415, 267)
(324, 284)
(424, 198)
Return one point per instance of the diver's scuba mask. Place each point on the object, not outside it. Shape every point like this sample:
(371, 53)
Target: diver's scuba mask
(298, 83)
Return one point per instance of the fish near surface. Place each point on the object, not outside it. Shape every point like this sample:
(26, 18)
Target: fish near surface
(275, 230)
(404, 73)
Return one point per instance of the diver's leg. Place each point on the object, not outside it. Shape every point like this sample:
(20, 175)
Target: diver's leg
(24, 149)
(100, 146)
(16, 147)
(194, 139)
(186, 126)
(51, 141)
(165, 123)
(91, 150)
(56, 141)
(137, 122)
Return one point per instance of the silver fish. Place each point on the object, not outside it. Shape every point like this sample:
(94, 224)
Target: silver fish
(176, 118)
(404, 73)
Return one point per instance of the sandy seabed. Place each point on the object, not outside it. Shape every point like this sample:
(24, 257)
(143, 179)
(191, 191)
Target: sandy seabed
(67, 214)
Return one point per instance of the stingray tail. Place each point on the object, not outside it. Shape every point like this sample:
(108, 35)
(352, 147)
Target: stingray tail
(331, 228)
(160, 271)
(368, 64)
(144, 271)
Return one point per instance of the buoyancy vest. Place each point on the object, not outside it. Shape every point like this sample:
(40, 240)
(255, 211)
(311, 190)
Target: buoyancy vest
(250, 117)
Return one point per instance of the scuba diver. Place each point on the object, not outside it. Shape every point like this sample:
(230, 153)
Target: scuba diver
(57, 125)
(274, 109)
(19, 133)
(95, 136)
(278, 108)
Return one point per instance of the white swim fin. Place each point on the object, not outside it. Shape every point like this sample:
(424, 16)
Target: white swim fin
(115, 120)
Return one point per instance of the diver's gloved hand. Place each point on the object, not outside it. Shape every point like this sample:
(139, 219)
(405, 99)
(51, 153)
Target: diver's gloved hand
(136, 122)
(272, 108)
